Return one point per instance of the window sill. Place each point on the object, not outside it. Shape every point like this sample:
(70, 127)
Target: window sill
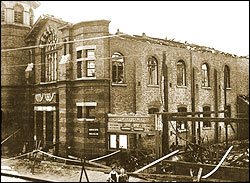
(153, 86)
(86, 78)
(206, 87)
(182, 130)
(119, 84)
(85, 119)
(185, 87)
(207, 128)
(51, 82)
(85, 59)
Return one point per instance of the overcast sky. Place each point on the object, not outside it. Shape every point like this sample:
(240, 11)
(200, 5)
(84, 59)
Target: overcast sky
(223, 25)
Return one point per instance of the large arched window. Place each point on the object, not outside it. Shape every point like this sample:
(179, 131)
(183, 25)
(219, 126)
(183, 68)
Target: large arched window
(3, 12)
(118, 68)
(31, 17)
(49, 56)
(205, 75)
(18, 14)
(181, 73)
(152, 71)
(227, 76)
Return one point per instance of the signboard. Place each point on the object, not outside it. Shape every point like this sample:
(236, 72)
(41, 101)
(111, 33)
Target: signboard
(94, 130)
(131, 123)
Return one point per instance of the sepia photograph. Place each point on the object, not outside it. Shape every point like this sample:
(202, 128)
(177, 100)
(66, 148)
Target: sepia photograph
(124, 91)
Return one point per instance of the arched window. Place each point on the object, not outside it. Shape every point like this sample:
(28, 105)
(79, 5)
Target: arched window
(31, 17)
(205, 75)
(3, 12)
(18, 14)
(118, 68)
(181, 73)
(227, 77)
(152, 71)
(49, 56)
(153, 110)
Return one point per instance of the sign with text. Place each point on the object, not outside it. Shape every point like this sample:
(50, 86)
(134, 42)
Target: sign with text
(131, 123)
(93, 130)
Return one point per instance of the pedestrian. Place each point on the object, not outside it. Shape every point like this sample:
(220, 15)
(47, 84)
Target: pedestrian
(113, 175)
(123, 177)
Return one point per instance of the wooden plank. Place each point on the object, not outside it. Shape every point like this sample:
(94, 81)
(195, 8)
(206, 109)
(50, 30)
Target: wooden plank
(156, 161)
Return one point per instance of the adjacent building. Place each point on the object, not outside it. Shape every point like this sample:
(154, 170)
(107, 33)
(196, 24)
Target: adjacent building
(85, 90)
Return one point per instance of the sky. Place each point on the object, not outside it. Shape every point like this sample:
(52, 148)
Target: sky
(223, 25)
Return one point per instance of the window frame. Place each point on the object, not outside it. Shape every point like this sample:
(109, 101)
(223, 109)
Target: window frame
(181, 124)
(205, 75)
(118, 75)
(81, 57)
(18, 14)
(152, 74)
(206, 124)
(227, 77)
(184, 73)
(118, 141)
(49, 57)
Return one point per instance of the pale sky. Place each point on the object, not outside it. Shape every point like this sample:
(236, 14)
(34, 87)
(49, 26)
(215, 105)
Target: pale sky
(223, 25)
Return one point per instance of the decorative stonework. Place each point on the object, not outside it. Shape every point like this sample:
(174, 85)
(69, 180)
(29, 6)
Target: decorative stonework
(47, 96)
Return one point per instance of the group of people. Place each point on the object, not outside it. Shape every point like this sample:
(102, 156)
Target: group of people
(114, 177)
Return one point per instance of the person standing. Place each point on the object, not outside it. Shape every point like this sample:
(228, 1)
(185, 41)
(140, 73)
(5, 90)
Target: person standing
(123, 177)
(113, 175)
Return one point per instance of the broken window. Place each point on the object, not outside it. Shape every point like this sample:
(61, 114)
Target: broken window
(181, 73)
(205, 75)
(206, 123)
(227, 77)
(18, 14)
(153, 71)
(118, 68)
(182, 125)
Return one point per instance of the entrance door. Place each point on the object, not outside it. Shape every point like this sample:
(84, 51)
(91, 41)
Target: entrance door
(49, 128)
(39, 126)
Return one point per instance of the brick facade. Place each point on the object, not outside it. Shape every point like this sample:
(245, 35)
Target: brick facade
(56, 104)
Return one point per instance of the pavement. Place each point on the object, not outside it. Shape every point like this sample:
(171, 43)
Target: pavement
(54, 171)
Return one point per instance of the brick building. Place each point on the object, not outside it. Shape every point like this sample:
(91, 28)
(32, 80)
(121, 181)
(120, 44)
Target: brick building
(90, 92)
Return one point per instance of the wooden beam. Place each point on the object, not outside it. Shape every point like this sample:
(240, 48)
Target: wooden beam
(212, 119)
(190, 113)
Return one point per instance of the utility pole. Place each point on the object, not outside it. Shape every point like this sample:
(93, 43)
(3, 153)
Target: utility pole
(165, 138)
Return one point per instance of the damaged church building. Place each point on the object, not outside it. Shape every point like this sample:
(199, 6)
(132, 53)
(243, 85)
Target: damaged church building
(79, 89)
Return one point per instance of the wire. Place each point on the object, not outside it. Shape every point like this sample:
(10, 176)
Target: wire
(104, 58)
(41, 46)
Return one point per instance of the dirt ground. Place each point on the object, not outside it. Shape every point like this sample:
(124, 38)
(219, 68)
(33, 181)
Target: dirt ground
(55, 171)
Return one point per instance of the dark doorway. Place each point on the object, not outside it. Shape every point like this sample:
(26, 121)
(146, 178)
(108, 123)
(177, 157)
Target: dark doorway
(49, 128)
(39, 126)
